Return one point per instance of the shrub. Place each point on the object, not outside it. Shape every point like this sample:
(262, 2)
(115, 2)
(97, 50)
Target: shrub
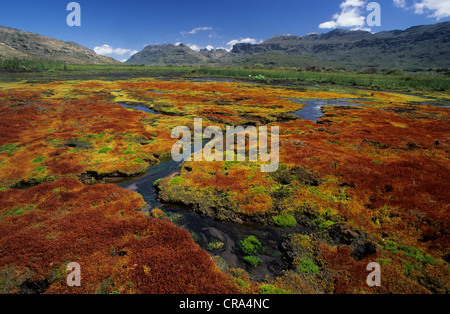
(104, 150)
(250, 245)
(260, 78)
(269, 289)
(285, 220)
(215, 246)
(254, 261)
(307, 266)
(176, 180)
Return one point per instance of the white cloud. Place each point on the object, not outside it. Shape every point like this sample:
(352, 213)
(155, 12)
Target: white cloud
(437, 9)
(209, 47)
(194, 47)
(197, 29)
(400, 3)
(233, 42)
(108, 50)
(223, 48)
(351, 15)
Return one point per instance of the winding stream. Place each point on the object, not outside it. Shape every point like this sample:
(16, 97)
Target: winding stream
(205, 230)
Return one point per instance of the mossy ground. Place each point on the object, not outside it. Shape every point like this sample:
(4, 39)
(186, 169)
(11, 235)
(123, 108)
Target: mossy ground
(381, 169)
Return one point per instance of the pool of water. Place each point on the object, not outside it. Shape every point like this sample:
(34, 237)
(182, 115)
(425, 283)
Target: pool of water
(140, 108)
(313, 107)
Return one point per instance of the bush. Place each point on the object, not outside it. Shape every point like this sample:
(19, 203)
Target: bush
(215, 246)
(176, 180)
(250, 245)
(307, 266)
(252, 260)
(285, 220)
(369, 71)
(269, 289)
(104, 150)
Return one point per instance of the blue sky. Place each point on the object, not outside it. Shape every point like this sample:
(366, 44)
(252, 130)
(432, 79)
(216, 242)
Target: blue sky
(119, 28)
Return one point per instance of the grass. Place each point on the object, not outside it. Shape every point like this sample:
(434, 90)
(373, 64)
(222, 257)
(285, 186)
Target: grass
(395, 82)
(415, 81)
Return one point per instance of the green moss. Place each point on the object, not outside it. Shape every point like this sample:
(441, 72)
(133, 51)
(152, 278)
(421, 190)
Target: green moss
(16, 211)
(259, 189)
(38, 160)
(10, 149)
(39, 169)
(307, 266)
(391, 247)
(138, 160)
(176, 180)
(269, 289)
(104, 150)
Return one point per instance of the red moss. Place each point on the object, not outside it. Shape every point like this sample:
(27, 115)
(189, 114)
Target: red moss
(90, 225)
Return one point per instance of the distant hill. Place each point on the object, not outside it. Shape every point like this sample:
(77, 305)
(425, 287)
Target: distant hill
(424, 46)
(24, 45)
(160, 55)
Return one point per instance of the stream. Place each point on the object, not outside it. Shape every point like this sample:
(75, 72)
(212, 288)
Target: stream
(205, 230)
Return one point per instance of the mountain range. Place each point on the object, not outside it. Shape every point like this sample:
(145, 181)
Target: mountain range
(424, 46)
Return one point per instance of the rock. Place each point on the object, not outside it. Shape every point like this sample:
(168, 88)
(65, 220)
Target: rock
(34, 287)
(362, 247)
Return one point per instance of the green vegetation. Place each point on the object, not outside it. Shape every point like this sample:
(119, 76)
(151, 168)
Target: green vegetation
(253, 261)
(104, 150)
(176, 180)
(250, 245)
(269, 289)
(10, 149)
(390, 79)
(30, 64)
(307, 266)
(285, 220)
(38, 160)
(215, 246)
(16, 211)
(393, 82)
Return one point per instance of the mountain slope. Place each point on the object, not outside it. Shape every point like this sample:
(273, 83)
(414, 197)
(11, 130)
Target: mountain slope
(19, 44)
(417, 47)
(158, 55)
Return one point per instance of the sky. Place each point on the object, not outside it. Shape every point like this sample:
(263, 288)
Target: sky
(119, 28)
